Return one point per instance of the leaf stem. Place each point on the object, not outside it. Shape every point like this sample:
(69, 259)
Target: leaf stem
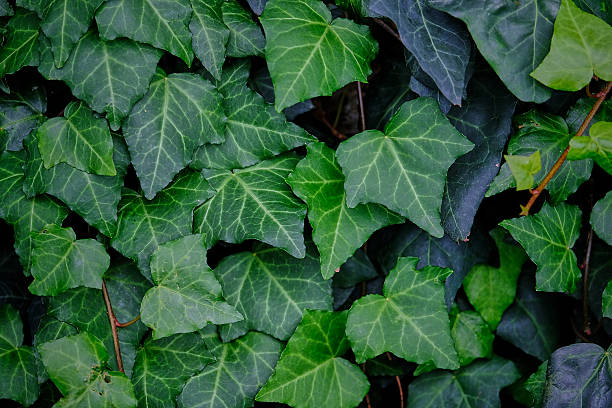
(542, 186)
(131, 322)
(113, 322)
(363, 124)
(388, 29)
(585, 285)
(399, 384)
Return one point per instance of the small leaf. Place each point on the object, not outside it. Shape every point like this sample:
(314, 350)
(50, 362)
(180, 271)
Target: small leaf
(606, 301)
(209, 34)
(579, 50)
(311, 361)
(601, 218)
(245, 36)
(20, 48)
(524, 168)
(597, 145)
(472, 336)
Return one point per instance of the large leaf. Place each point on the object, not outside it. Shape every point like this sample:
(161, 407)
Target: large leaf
(512, 36)
(187, 295)
(579, 50)
(548, 237)
(209, 34)
(20, 47)
(601, 218)
(311, 361)
(161, 23)
(409, 319)
(245, 36)
(254, 203)
(242, 367)
(109, 75)
(405, 167)
(179, 113)
(20, 113)
(271, 289)
(597, 145)
(337, 229)
(308, 54)
(17, 362)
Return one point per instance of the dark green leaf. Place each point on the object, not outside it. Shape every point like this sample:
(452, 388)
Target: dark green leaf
(472, 336)
(601, 218)
(6, 9)
(597, 146)
(579, 111)
(530, 392)
(606, 301)
(245, 36)
(20, 113)
(601, 8)
(20, 47)
(210, 35)
(356, 269)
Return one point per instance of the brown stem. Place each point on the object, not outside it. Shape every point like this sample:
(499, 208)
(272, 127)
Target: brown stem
(367, 396)
(388, 29)
(585, 285)
(113, 320)
(363, 125)
(131, 322)
(399, 384)
(320, 115)
(339, 110)
(538, 190)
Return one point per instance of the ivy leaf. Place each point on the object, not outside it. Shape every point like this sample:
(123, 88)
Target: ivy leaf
(412, 156)
(337, 229)
(579, 111)
(513, 38)
(183, 355)
(6, 9)
(476, 385)
(245, 36)
(271, 289)
(606, 301)
(578, 50)
(601, 218)
(20, 48)
(597, 7)
(187, 295)
(578, 374)
(17, 362)
(308, 54)
(257, 6)
(161, 23)
(524, 168)
(356, 269)
(110, 76)
(411, 307)
(492, 289)
(548, 237)
(209, 34)
(597, 145)
(254, 203)
(20, 113)
(472, 336)
(179, 113)
(311, 360)
(530, 392)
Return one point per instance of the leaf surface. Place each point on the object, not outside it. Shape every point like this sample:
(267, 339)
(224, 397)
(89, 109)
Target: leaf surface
(245, 36)
(601, 218)
(524, 168)
(209, 34)
(20, 47)
(20, 113)
(472, 336)
(597, 146)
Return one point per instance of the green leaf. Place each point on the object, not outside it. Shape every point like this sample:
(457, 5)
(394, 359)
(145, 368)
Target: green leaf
(337, 229)
(79, 139)
(308, 54)
(492, 289)
(161, 23)
(254, 203)
(601, 218)
(579, 50)
(5, 8)
(179, 113)
(412, 156)
(472, 336)
(163, 366)
(110, 76)
(311, 361)
(409, 319)
(245, 36)
(597, 145)
(579, 111)
(474, 386)
(524, 168)
(606, 301)
(187, 295)
(548, 237)
(580, 374)
(20, 48)
(209, 34)
(598, 7)
(17, 362)
(271, 289)
(20, 113)
(356, 269)
(530, 392)
(513, 38)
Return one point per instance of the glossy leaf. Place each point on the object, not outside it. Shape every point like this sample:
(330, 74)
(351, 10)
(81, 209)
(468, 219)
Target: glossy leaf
(601, 218)
(472, 336)
(597, 146)
(209, 34)
(245, 36)
(20, 113)
(524, 168)
(20, 47)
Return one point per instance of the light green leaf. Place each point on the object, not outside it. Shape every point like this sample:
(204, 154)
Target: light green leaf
(523, 169)
(308, 54)
(606, 301)
(472, 336)
(492, 289)
(161, 23)
(242, 367)
(179, 113)
(601, 218)
(61, 262)
(271, 289)
(245, 36)
(187, 295)
(20, 48)
(20, 113)
(17, 362)
(79, 139)
(579, 50)
(548, 237)
(597, 145)
(410, 319)
(254, 203)
(182, 355)
(405, 167)
(110, 76)
(337, 229)
(310, 372)
(209, 34)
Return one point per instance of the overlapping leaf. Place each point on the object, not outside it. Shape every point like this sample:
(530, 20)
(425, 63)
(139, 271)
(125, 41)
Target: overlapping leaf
(20, 47)
(209, 34)
(472, 336)
(20, 113)
(597, 145)
(530, 392)
(601, 218)
(245, 36)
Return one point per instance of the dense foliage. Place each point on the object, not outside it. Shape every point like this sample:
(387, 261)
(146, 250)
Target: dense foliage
(220, 203)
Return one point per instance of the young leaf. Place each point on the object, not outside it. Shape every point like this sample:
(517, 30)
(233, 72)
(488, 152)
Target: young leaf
(209, 34)
(472, 336)
(187, 295)
(606, 301)
(20, 48)
(254, 203)
(161, 23)
(548, 237)
(311, 361)
(601, 218)
(405, 167)
(337, 229)
(245, 36)
(179, 113)
(524, 168)
(579, 50)
(20, 113)
(271, 289)
(409, 319)
(597, 145)
(308, 54)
